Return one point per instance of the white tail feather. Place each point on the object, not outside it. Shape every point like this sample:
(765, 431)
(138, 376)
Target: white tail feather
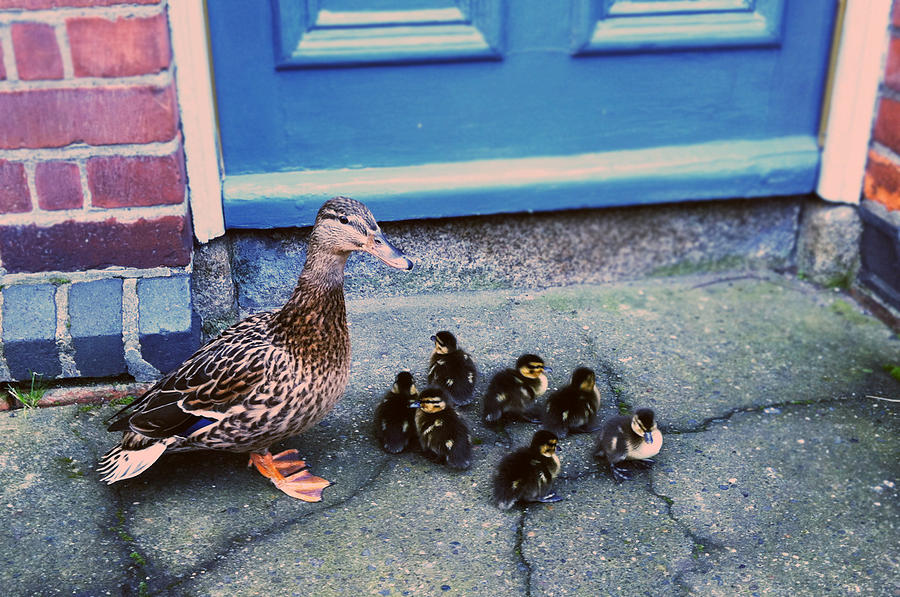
(119, 464)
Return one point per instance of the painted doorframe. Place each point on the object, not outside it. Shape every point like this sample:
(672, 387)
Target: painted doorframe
(863, 40)
(857, 74)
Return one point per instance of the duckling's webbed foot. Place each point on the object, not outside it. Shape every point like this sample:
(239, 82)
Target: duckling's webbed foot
(550, 498)
(290, 475)
(620, 473)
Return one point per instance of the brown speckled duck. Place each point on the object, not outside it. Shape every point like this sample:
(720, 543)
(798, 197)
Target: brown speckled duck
(266, 378)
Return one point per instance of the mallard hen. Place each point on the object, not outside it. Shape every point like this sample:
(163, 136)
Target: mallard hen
(266, 378)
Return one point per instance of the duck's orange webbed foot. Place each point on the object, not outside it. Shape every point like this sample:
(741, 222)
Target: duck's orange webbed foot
(290, 475)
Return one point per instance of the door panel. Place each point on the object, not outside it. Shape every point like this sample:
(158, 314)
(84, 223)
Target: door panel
(347, 32)
(403, 127)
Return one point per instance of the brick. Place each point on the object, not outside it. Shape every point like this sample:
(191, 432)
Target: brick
(42, 4)
(95, 313)
(136, 181)
(29, 312)
(75, 246)
(58, 185)
(119, 48)
(36, 51)
(95, 308)
(164, 304)
(887, 123)
(100, 356)
(32, 356)
(882, 181)
(95, 116)
(14, 195)
(892, 68)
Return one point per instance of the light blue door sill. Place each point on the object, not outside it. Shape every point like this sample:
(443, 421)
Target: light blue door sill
(717, 170)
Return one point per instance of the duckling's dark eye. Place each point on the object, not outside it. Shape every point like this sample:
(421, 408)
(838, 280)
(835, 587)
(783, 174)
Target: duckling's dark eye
(343, 219)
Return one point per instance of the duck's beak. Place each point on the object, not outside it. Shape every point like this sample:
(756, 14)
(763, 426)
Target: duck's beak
(388, 253)
(648, 437)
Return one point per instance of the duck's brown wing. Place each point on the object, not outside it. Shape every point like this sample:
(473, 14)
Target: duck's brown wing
(219, 376)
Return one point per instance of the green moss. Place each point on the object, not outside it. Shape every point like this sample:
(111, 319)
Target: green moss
(138, 558)
(59, 281)
(684, 268)
(70, 467)
(893, 371)
(849, 312)
(123, 401)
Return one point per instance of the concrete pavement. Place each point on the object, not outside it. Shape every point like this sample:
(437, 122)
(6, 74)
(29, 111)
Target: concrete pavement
(778, 475)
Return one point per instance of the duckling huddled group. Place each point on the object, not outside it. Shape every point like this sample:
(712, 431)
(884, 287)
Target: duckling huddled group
(405, 419)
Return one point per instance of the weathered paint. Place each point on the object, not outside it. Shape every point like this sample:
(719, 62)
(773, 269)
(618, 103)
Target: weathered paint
(704, 171)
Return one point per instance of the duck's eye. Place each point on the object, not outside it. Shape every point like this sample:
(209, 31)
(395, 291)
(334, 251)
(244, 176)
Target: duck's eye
(343, 219)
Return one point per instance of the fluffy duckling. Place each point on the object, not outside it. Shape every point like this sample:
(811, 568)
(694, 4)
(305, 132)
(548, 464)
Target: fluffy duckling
(452, 368)
(527, 474)
(513, 391)
(395, 422)
(574, 407)
(629, 438)
(443, 434)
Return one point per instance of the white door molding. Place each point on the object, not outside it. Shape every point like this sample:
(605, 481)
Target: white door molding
(858, 72)
(193, 76)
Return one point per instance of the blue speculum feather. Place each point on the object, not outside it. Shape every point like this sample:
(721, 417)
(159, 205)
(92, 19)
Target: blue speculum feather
(200, 423)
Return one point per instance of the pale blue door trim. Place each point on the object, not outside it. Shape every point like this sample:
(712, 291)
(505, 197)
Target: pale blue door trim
(721, 169)
(626, 26)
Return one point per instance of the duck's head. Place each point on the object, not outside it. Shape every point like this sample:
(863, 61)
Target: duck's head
(431, 400)
(584, 379)
(444, 342)
(644, 423)
(344, 225)
(404, 384)
(544, 442)
(532, 366)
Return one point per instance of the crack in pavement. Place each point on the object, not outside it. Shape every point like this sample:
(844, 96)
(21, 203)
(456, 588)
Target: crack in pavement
(701, 544)
(753, 408)
(519, 551)
(275, 530)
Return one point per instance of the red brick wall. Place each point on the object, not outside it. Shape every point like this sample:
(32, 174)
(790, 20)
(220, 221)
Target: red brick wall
(882, 181)
(91, 164)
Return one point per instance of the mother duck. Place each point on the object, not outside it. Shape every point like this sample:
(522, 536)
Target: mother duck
(266, 378)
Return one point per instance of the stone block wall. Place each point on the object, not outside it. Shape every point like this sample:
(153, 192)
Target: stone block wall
(95, 233)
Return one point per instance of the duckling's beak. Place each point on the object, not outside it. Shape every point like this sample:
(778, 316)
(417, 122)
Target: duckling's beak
(648, 437)
(388, 253)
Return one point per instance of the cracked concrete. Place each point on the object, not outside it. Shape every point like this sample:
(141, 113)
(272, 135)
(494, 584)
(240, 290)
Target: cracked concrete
(778, 473)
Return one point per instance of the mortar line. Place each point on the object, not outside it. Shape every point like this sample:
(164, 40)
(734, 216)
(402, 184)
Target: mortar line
(63, 333)
(276, 529)
(4, 366)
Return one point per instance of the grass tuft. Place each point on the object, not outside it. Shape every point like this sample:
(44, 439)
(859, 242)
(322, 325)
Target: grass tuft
(28, 398)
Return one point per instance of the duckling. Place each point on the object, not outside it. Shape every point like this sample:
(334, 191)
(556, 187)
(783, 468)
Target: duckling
(574, 407)
(395, 422)
(452, 368)
(527, 474)
(629, 438)
(443, 434)
(513, 391)
(266, 378)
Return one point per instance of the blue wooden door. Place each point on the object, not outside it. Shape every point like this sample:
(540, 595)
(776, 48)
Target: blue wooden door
(426, 108)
